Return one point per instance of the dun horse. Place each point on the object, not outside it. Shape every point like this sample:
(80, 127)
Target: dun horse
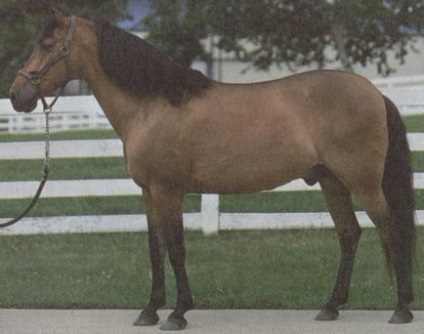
(184, 133)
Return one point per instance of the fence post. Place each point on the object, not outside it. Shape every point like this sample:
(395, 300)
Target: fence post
(210, 214)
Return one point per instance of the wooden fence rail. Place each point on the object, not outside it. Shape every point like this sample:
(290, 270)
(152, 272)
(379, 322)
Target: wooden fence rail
(83, 112)
(209, 219)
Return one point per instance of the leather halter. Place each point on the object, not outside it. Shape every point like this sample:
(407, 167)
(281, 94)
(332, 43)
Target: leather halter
(35, 76)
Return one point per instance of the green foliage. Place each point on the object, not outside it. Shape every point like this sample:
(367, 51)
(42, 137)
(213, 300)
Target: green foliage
(179, 29)
(291, 32)
(20, 20)
(372, 27)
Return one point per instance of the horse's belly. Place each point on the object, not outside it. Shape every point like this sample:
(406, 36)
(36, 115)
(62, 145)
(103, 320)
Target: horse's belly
(248, 176)
(236, 186)
(262, 164)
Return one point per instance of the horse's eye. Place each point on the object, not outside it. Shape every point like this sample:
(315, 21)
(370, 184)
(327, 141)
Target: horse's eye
(47, 44)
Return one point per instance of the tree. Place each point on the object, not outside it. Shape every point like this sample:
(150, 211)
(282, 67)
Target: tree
(178, 28)
(364, 31)
(20, 20)
(292, 32)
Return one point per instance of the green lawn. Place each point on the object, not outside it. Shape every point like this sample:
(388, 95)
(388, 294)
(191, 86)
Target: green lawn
(64, 169)
(260, 203)
(250, 269)
(63, 135)
(103, 168)
(95, 168)
(414, 123)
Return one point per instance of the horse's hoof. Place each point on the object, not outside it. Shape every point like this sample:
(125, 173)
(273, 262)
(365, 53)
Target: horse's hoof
(147, 319)
(402, 315)
(174, 324)
(327, 315)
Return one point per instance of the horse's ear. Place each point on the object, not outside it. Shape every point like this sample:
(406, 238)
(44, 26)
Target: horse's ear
(59, 16)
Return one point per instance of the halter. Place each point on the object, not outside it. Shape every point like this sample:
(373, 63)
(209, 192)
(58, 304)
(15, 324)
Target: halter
(35, 77)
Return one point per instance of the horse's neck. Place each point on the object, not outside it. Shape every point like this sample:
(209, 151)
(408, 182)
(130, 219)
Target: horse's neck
(119, 107)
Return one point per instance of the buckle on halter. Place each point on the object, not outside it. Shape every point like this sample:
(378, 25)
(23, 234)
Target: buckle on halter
(64, 51)
(36, 80)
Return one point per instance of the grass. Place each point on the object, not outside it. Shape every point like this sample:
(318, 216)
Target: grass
(87, 206)
(251, 269)
(414, 123)
(64, 169)
(95, 168)
(63, 135)
(260, 203)
(103, 168)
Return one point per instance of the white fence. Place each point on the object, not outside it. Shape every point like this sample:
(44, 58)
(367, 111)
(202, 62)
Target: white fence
(70, 113)
(84, 112)
(407, 93)
(399, 82)
(210, 220)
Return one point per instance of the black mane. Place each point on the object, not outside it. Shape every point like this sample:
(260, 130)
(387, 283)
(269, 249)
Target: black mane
(141, 69)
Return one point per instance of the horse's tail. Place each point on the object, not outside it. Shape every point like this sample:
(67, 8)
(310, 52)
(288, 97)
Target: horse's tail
(398, 189)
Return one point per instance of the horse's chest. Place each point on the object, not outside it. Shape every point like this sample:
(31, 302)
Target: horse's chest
(153, 161)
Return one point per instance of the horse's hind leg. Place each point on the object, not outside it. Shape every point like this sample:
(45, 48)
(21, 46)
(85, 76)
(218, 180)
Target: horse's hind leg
(396, 245)
(341, 210)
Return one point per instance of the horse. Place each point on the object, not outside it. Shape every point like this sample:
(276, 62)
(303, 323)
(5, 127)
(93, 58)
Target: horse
(183, 132)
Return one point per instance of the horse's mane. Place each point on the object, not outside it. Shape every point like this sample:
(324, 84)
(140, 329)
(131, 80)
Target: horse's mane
(141, 69)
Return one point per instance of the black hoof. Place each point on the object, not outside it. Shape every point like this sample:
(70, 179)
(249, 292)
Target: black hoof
(327, 314)
(402, 315)
(147, 319)
(174, 324)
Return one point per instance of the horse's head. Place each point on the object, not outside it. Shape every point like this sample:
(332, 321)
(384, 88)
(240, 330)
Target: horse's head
(49, 66)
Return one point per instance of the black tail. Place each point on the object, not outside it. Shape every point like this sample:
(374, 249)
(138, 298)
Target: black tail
(398, 189)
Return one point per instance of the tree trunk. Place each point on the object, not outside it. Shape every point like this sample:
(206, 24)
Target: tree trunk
(339, 35)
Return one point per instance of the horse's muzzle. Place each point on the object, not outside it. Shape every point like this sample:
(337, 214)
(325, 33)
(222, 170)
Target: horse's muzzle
(24, 98)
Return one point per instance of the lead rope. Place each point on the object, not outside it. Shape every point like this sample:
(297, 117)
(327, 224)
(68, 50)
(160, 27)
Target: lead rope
(47, 108)
(35, 79)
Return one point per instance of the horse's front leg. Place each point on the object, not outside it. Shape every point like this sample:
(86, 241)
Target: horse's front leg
(149, 316)
(164, 210)
(175, 246)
